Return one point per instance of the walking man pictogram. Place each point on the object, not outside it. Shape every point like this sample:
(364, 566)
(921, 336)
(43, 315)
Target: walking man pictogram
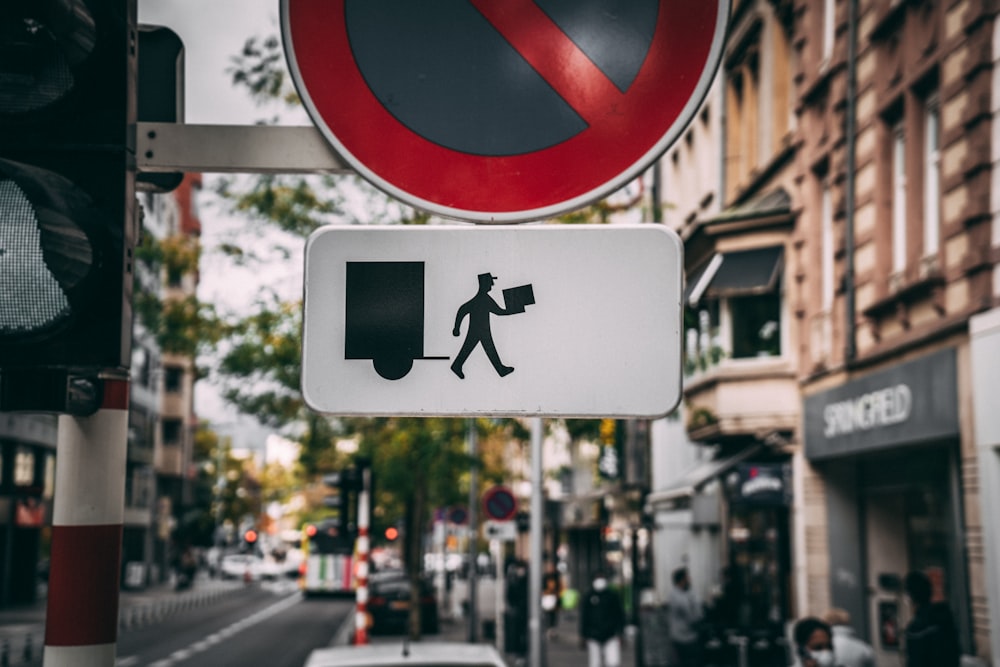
(479, 308)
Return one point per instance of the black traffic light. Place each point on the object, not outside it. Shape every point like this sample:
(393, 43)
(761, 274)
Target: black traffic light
(347, 482)
(67, 185)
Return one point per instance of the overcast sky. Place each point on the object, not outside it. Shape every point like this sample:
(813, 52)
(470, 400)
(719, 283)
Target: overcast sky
(213, 31)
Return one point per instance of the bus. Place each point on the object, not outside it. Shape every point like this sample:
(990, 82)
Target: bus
(327, 560)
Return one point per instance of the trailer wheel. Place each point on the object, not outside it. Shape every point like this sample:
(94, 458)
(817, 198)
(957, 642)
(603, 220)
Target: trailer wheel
(393, 367)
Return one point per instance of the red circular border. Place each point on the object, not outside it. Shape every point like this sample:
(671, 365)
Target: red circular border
(372, 139)
(491, 493)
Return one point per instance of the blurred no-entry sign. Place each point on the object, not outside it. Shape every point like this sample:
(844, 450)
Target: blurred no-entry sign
(502, 111)
(499, 503)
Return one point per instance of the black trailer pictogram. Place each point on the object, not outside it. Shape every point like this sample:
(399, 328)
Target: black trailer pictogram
(384, 315)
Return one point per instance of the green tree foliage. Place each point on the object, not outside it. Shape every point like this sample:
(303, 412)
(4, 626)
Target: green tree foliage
(238, 494)
(262, 362)
(182, 325)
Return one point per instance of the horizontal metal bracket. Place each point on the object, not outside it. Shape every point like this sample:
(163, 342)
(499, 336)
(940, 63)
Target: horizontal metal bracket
(256, 149)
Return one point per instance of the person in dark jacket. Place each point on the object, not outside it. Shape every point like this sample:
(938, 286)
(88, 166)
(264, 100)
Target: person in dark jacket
(516, 623)
(931, 637)
(602, 621)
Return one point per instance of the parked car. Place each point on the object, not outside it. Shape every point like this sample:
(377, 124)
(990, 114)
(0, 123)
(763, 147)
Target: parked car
(422, 654)
(240, 566)
(389, 603)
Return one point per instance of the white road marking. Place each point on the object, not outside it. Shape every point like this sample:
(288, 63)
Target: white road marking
(211, 640)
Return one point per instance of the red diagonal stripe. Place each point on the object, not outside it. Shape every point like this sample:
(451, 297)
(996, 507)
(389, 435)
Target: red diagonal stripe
(554, 56)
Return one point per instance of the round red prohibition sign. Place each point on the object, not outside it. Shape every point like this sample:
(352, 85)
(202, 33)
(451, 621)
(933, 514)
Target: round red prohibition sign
(499, 503)
(502, 110)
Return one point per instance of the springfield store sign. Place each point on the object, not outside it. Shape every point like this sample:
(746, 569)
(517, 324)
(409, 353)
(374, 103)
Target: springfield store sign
(913, 402)
(883, 407)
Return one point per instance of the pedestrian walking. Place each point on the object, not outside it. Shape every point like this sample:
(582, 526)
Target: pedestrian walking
(516, 620)
(931, 637)
(602, 621)
(848, 649)
(813, 643)
(684, 615)
(551, 593)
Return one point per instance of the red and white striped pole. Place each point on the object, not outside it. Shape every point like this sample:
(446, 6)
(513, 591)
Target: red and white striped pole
(81, 624)
(364, 546)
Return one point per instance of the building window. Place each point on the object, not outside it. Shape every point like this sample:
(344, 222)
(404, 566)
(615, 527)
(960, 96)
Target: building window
(171, 431)
(24, 467)
(173, 377)
(755, 325)
(826, 247)
(49, 488)
(703, 343)
(932, 176)
(174, 276)
(828, 30)
(898, 198)
(735, 308)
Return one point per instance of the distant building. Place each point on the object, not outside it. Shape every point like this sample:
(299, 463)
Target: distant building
(163, 419)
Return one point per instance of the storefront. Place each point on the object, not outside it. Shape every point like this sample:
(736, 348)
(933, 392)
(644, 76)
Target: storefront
(887, 447)
(727, 520)
(758, 572)
(27, 485)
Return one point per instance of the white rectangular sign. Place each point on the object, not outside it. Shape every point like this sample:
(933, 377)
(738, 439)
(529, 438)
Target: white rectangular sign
(538, 320)
(504, 531)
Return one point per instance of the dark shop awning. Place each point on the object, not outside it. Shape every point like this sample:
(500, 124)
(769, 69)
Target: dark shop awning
(740, 273)
(690, 482)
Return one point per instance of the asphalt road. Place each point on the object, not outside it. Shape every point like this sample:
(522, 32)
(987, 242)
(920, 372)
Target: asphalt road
(266, 626)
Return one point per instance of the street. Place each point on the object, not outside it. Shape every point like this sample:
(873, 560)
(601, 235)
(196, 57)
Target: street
(261, 624)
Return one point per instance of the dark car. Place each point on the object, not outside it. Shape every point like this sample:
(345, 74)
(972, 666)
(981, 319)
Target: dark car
(389, 604)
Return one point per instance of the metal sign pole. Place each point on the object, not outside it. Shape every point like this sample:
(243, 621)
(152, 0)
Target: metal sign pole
(535, 558)
(496, 548)
(473, 533)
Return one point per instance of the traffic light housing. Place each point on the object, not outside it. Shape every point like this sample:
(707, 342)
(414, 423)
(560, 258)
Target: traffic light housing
(347, 482)
(67, 186)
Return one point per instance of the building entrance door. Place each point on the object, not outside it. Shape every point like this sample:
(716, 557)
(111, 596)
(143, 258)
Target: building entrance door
(909, 524)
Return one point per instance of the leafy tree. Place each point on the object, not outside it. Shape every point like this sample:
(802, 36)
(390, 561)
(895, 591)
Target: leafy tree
(181, 325)
(423, 463)
(238, 495)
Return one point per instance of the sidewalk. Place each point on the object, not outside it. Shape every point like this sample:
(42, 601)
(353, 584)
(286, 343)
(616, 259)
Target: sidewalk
(22, 628)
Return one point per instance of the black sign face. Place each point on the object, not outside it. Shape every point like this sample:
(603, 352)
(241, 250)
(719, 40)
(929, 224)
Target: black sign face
(913, 402)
